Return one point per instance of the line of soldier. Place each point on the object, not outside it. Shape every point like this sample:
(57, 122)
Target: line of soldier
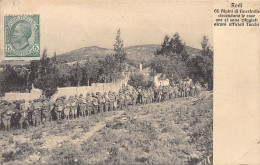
(17, 114)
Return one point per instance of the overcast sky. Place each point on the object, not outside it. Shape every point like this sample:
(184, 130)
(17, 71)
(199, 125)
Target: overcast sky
(66, 26)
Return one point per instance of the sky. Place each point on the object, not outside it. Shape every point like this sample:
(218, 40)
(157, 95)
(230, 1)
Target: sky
(67, 25)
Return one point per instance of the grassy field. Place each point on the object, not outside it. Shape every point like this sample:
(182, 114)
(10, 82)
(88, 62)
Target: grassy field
(172, 132)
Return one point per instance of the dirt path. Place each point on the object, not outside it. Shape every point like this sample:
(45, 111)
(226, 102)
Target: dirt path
(95, 129)
(52, 141)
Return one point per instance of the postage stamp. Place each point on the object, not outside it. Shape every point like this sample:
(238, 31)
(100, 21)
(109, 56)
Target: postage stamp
(22, 36)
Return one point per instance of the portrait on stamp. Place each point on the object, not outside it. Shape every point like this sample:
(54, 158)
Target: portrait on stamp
(22, 36)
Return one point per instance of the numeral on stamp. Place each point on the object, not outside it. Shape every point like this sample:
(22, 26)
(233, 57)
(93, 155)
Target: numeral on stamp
(22, 36)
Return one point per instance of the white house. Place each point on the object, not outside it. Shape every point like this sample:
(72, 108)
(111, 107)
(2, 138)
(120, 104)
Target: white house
(161, 80)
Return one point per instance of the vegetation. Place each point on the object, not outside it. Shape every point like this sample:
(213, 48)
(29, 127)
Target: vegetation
(201, 67)
(48, 74)
(176, 63)
(139, 80)
(173, 132)
(174, 59)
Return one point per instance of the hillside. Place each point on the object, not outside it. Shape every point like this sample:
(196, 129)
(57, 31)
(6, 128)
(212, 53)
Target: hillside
(135, 54)
(84, 53)
(178, 131)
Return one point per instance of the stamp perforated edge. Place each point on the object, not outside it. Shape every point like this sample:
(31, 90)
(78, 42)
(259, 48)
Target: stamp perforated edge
(2, 34)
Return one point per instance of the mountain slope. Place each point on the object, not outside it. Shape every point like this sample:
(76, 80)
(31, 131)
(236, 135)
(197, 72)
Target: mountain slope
(137, 53)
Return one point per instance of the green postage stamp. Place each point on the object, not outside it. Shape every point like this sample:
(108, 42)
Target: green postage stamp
(22, 37)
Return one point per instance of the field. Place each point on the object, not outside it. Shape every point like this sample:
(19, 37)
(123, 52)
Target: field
(173, 132)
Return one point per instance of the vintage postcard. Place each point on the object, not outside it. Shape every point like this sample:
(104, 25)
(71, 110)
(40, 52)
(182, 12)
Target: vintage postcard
(129, 82)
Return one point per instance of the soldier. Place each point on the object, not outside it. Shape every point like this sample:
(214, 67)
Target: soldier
(182, 89)
(101, 102)
(7, 115)
(73, 106)
(116, 97)
(46, 111)
(24, 115)
(67, 109)
(95, 103)
(159, 94)
(30, 110)
(82, 106)
(89, 104)
(36, 112)
(148, 96)
(111, 100)
(192, 90)
(165, 93)
(59, 107)
(171, 91)
(152, 94)
(176, 91)
(197, 89)
(106, 101)
(134, 97)
(187, 91)
(121, 100)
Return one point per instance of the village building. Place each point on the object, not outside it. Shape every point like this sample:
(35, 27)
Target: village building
(159, 79)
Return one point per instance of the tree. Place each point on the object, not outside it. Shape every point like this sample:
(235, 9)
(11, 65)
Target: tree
(138, 80)
(171, 58)
(111, 71)
(76, 75)
(91, 70)
(43, 75)
(174, 71)
(12, 79)
(201, 67)
(120, 54)
(164, 46)
(54, 58)
(207, 49)
(173, 48)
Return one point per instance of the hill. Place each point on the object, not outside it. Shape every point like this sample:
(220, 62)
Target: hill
(135, 54)
(84, 53)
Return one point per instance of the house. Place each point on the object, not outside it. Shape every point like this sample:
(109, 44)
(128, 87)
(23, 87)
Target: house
(146, 71)
(161, 80)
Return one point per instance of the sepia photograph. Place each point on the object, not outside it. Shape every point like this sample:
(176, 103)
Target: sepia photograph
(115, 83)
